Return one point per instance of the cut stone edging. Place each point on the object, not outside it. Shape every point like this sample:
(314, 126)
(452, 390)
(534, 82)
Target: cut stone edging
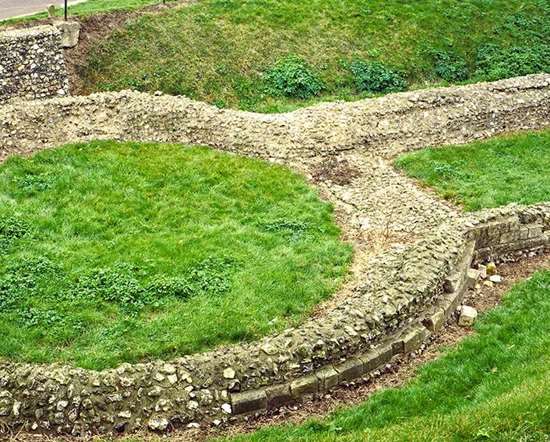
(405, 293)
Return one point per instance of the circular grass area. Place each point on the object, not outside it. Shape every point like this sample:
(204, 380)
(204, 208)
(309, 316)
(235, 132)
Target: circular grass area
(122, 252)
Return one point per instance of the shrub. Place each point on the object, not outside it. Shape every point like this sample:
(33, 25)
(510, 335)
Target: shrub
(292, 77)
(494, 62)
(450, 66)
(375, 77)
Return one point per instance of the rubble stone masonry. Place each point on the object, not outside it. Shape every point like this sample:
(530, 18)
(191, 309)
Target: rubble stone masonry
(32, 65)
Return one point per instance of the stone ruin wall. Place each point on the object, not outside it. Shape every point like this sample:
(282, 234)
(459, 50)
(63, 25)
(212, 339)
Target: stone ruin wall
(404, 298)
(294, 365)
(385, 126)
(32, 65)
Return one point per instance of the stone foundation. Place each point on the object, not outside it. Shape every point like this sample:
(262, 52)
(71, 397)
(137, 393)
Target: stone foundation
(419, 249)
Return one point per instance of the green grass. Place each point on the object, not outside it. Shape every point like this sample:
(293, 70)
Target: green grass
(115, 253)
(494, 386)
(223, 51)
(503, 170)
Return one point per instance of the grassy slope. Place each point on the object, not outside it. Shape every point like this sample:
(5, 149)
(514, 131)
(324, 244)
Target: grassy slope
(494, 386)
(217, 50)
(492, 173)
(254, 244)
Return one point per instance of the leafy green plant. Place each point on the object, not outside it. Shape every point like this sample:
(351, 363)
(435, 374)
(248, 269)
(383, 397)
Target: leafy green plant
(294, 229)
(12, 228)
(495, 62)
(292, 77)
(375, 77)
(449, 66)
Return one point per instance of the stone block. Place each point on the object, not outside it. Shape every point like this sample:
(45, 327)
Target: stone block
(304, 386)
(411, 340)
(278, 395)
(328, 378)
(350, 370)
(450, 302)
(70, 33)
(248, 401)
(473, 276)
(467, 316)
(377, 357)
(434, 320)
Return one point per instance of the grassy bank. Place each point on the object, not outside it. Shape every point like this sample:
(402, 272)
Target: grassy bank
(495, 386)
(115, 253)
(503, 170)
(276, 55)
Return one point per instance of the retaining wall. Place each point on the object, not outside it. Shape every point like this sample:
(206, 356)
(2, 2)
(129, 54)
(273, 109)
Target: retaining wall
(32, 64)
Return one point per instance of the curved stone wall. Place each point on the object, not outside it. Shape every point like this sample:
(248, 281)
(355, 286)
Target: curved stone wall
(413, 251)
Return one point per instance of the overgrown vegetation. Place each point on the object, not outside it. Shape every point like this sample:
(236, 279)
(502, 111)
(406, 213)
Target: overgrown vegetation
(293, 78)
(502, 170)
(495, 386)
(115, 253)
(275, 55)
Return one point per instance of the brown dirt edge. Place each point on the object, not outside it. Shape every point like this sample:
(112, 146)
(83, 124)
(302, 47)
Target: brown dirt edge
(399, 372)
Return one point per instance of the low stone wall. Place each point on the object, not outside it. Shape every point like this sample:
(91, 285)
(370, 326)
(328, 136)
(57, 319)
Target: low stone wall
(392, 315)
(509, 230)
(385, 126)
(32, 64)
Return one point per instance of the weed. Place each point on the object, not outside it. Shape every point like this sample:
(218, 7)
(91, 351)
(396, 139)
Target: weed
(292, 77)
(375, 77)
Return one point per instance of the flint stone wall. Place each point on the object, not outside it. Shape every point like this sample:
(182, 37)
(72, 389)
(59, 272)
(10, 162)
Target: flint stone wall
(404, 297)
(385, 126)
(32, 64)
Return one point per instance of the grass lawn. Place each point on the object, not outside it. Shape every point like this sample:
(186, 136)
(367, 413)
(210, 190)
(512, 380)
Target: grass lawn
(503, 170)
(276, 55)
(495, 386)
(119, 252)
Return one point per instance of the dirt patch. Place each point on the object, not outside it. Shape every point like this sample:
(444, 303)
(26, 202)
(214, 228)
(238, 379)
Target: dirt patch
(337, 170)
